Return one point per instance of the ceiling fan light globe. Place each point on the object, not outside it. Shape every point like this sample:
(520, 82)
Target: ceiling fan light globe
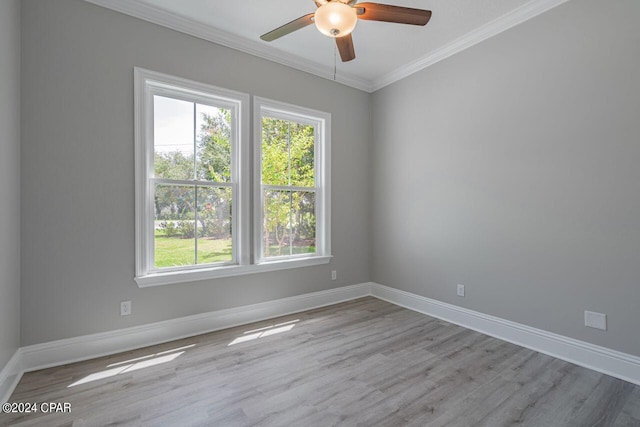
(335, 19)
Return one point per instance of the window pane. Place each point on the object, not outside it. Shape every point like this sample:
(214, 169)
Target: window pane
(303, 224)
(214, 225)
(275, 151)
(302, 145)
(287, 153)
(276, 217)
(174, 225)
(173, 138)
(213, 143)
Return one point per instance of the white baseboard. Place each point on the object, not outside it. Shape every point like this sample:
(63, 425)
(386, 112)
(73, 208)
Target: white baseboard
(10, 376)
(601, 359)
(56, 353)
(61, 352)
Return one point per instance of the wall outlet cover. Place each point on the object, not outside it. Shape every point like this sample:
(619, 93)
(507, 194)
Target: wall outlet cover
(125, 308)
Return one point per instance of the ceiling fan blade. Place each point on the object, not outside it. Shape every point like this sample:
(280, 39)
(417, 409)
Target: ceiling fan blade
(345, 47)
(388, 13)
(288, 28)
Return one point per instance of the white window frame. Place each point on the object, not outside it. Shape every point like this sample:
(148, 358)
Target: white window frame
(321, 122)
(147, 85)
(245, 249)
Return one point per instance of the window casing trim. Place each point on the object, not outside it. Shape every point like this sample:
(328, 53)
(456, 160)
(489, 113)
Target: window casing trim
(322, 188)
(246, 260)
(147, 84)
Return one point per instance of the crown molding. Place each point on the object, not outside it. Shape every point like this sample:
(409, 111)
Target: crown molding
(188, 26)
(159, 16)
(490, 29)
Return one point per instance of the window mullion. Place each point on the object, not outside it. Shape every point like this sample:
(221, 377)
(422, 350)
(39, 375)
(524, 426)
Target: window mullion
(195, 224)
(195, 177)
(191, 182)
(290, 222)
(195, 148)
(290, 192)
(289, 188)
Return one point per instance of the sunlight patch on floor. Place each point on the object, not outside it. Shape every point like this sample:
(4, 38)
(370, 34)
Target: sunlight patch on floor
(134, 365)
(265, 332)
(148, 356)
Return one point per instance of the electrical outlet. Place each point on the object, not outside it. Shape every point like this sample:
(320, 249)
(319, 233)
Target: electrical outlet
(460, 290)
(125, 308)
(334, 275)
(595, 320)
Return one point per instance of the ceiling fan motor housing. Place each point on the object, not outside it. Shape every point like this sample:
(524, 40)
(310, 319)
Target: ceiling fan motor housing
(335, 19)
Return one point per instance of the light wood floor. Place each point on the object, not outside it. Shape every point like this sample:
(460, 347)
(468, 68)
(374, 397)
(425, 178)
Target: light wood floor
(365, 362)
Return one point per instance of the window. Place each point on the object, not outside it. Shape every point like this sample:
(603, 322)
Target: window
(292, 182)
(193, 183)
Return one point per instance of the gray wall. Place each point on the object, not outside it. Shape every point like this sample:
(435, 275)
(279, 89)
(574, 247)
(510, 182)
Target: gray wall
(9, 179)
(512, 168)
(78, 170)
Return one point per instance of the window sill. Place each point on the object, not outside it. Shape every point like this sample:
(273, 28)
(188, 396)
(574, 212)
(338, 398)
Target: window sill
(168, 278)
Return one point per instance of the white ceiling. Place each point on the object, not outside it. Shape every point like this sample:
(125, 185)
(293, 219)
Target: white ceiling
(385, 52)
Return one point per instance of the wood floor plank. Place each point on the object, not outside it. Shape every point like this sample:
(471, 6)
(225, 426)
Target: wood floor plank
(361, 363)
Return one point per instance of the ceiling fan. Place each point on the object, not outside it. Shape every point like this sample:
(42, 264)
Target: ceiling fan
(338, 18)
